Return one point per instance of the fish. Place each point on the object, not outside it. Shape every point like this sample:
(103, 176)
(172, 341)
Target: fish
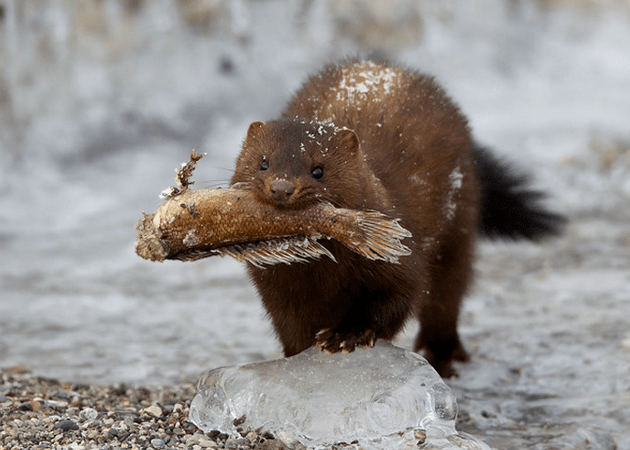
(198, 223)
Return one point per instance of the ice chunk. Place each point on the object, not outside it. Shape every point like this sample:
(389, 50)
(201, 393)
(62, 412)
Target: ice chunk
(382, 397)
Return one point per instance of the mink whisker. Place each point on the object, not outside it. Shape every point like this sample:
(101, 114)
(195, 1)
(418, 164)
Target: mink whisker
(213, 184)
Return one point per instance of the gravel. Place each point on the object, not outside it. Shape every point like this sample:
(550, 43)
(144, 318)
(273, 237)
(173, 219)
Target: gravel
(45, 413)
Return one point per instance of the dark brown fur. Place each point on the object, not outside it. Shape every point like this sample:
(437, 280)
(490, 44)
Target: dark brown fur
(386, 139)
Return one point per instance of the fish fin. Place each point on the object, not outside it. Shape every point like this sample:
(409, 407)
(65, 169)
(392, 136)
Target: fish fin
(194, 255)
(278, 251)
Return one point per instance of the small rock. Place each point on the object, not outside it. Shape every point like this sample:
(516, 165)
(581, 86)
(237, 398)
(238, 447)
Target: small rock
(210, 444)
(274, 444)
(153, 410)
(251, 436)
(129, 422)
(157, 444)
(93, 434)
(122, 435)
(51, 419)
(57, 404)
(66, 425)
(236, 443)
(61, 394)
(34, 421)
(25, 407)
(201, 440)
(88, 414)
(421, 435)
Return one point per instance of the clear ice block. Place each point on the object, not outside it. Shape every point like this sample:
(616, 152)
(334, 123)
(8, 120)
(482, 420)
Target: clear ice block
(382, 397)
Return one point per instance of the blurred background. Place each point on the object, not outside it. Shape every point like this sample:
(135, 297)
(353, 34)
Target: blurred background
(100, 100)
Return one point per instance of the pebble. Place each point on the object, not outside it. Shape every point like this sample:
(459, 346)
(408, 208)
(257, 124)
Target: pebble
(153, 410)
(43, 413)
(88, 414)
(67, 425)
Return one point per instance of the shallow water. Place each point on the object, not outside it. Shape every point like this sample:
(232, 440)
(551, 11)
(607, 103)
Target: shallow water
(93, 125)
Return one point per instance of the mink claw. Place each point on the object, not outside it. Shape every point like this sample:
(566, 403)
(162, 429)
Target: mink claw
(322, 340)
(330, 341)
(366, 339)
(348, 345)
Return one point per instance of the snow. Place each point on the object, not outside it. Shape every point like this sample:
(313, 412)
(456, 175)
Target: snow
(363, 78)
(455, 177)
(191, 239)
(92, 125)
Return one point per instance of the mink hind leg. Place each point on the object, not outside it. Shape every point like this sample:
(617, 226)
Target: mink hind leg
(439, 307)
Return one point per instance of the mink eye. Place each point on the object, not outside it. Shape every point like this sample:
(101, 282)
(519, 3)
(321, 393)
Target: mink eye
(317, 173)
(264, 165)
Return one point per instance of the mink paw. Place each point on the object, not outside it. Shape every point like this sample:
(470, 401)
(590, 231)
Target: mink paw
(332, 341)
(441, 358)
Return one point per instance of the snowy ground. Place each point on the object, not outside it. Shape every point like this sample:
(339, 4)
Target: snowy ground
(98, 107)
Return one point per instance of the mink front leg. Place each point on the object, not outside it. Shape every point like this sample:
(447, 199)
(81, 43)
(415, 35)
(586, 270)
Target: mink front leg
(332, 341)
(374, 314)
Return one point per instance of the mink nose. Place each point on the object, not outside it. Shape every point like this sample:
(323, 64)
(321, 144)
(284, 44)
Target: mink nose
(281, 190)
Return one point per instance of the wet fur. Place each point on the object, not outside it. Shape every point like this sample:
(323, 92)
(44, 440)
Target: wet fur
(391, 140)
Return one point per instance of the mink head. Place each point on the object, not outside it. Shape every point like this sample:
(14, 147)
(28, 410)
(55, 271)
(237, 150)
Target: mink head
(294, 164)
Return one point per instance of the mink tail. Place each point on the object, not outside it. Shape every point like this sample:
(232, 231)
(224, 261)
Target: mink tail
(509, 209)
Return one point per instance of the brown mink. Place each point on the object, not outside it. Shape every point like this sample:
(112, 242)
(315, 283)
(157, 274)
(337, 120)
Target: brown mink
(371, 135)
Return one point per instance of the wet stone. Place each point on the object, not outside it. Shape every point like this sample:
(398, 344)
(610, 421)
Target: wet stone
(67, 425)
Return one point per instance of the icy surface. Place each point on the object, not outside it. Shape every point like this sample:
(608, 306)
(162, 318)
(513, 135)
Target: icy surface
(384, 398)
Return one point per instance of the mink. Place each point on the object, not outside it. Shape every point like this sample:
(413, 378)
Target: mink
(370, 135)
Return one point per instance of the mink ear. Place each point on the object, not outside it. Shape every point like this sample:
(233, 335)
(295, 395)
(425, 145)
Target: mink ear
(255, 130)
(347, 141)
